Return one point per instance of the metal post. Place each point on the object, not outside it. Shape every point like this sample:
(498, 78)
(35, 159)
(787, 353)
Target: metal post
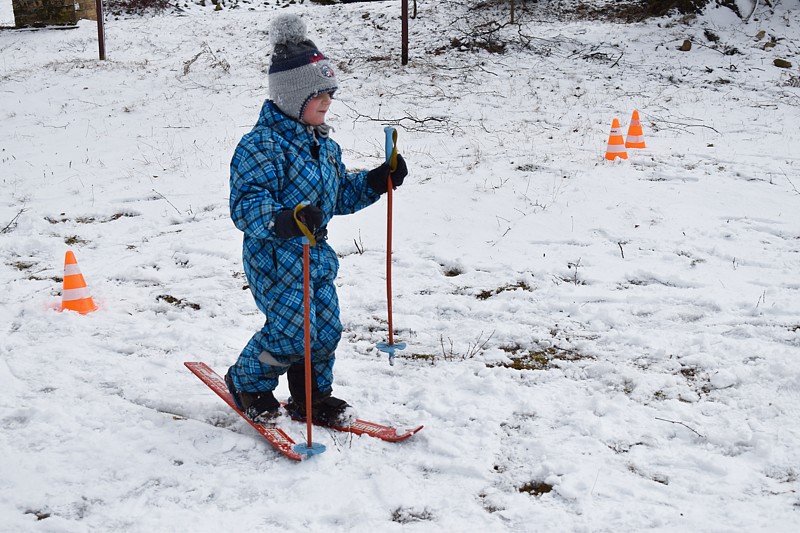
(404, 17)
(101, 32)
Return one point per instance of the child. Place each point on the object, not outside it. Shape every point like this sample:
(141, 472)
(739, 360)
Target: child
(286, 160)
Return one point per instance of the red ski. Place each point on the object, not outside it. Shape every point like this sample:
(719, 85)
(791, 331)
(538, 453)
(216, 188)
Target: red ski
(362, 427)
(276, 436)
(387, 433)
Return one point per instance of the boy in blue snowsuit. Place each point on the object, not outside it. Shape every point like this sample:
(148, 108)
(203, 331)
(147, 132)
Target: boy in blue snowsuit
(286, 160)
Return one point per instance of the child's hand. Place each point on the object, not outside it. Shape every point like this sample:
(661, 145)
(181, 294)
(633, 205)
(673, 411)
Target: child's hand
(286, 227)
(378, 177)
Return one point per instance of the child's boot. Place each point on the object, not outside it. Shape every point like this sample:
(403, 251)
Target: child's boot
(326, 410)
(260, 407)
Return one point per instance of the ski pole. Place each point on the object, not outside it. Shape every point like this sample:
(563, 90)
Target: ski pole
(311, 448)
(391, 159)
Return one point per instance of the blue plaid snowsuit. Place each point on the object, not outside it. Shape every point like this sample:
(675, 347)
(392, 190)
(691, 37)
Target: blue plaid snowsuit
(273, 169)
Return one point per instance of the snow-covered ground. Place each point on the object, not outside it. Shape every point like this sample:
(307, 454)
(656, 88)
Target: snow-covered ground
(593, 345)
(6, 13)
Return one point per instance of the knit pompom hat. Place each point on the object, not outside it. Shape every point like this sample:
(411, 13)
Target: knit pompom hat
(299, 71)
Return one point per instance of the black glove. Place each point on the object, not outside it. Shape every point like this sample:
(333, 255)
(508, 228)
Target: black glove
(286, 227)
(377, 178)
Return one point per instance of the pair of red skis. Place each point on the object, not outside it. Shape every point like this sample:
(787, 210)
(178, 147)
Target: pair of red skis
(276, 436)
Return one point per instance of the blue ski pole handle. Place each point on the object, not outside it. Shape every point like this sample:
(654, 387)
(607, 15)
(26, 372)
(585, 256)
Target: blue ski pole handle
(391, 147)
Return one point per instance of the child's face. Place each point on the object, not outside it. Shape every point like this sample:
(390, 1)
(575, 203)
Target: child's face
(317, 107)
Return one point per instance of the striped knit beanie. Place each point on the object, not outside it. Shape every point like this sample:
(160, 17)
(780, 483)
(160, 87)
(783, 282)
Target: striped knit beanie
(299, 71)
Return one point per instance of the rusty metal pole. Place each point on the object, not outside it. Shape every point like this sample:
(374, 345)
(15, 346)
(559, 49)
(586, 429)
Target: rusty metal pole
(101, 32)
(404, 17)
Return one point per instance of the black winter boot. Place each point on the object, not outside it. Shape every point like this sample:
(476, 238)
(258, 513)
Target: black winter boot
(260, 407)
(326, 410)
(296, 376)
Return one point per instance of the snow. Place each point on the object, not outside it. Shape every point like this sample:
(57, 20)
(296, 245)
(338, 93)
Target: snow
(652, 305)
(6, 13)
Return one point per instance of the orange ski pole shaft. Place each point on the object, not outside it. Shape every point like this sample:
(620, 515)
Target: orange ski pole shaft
(308, 241)
(389, 256)
(391, 160)
(307, 334)
(311, 448)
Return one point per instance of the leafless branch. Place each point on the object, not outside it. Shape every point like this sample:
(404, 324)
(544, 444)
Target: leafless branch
(681, 126)
(13, 224)
(790, 183)
(682, 424)
(408, 122)
(170, 203)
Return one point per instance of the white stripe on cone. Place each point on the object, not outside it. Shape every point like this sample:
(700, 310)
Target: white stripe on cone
(70, 295)
(71, 270)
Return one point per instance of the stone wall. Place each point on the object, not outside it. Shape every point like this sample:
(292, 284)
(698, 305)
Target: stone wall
(52, 12)
(86, 9)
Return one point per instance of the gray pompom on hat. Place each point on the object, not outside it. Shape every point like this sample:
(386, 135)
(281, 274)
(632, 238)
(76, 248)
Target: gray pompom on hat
(299, 71)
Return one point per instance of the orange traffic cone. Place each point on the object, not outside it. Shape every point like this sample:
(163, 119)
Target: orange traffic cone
(75, 295)
(616, 144)
(635, 136)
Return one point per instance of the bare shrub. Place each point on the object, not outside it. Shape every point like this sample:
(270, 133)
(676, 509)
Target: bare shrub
(136, 7)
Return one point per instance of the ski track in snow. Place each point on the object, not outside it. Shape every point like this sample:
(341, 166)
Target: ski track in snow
(653, 302)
